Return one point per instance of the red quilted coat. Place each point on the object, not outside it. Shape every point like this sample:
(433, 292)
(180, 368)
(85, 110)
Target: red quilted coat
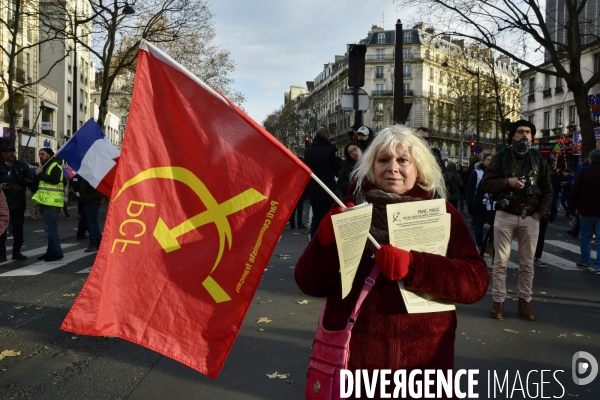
(384, 335)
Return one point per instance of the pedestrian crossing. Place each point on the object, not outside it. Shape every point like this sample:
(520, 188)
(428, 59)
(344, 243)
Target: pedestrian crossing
(42, 266)
(550, 258)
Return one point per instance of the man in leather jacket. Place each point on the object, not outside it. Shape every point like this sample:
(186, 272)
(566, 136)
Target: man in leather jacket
(15, 176)
(519, 179)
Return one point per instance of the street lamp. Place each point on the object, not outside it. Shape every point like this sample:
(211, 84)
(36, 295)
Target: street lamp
(127, 10)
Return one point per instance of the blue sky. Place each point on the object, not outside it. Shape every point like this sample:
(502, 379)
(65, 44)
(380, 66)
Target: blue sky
(277, 44)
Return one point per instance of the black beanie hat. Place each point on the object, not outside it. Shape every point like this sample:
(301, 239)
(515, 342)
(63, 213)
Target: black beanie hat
(515, 125)
(48, 150)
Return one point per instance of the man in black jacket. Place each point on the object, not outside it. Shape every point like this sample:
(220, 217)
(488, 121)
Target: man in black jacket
(584, 198)
(321, 159)
(520, 180)
(15, 176)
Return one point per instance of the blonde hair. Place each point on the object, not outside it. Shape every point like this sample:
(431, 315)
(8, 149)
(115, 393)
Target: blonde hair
(389, 138)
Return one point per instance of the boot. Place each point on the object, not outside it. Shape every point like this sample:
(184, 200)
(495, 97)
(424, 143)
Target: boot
(525, 310)
(497, 311)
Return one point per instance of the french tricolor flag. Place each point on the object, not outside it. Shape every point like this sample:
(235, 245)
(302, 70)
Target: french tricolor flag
(93, 156)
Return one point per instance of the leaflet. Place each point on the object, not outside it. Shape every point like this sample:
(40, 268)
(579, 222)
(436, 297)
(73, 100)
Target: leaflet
(351, 228)
(422, 226)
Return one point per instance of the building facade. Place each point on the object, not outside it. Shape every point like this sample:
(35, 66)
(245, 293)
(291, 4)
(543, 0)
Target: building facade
(67, 66)
(438, 74)
(549, 104)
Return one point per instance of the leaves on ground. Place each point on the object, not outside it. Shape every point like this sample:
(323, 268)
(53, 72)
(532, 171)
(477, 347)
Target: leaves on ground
(9, 353)
(264, 320)
(262, 329)
(69, 295)
(290, 381)
(284, 256)
(563, 335)
(580, 335)
(75, 337)
(542, 292)
(302, 302)
(19, 307)
(510, 331)
(572, 394)
(276, 375)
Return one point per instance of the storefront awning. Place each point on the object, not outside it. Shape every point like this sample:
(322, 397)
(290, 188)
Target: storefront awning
(48, 104)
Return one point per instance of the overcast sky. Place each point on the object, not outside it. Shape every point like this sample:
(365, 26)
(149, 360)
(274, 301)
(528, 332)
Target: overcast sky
(277, 44)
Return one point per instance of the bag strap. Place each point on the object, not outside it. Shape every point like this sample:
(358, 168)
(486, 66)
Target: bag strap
(367, 286)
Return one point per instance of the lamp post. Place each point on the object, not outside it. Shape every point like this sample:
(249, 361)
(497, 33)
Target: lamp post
(127, 10)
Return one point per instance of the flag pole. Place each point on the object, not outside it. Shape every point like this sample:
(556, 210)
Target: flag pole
(337, 200)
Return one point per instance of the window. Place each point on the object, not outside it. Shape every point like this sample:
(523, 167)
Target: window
(547, 81)
(379, 72)
(407, 37)
(572, 114)
(431, 90)
(558, 114)
(379, 109)
(380, 54)
(431, 72)
(407, 91)
(69, 91)
(547, 120)
(407, 54)
(381, 38)
(532, 86)
(596, 62)
(406, 70)
(427, 54)
(531, 118)
(379, 90)
(558, 82)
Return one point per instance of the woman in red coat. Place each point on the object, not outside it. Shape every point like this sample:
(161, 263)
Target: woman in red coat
(397, 167)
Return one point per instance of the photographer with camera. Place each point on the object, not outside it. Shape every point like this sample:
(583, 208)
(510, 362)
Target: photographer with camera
(519, 179)
(15, 176)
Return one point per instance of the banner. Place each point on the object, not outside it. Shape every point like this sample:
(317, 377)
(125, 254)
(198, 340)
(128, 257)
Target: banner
(201, 196)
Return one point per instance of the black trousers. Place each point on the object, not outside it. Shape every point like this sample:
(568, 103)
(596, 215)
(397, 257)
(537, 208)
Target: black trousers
(17, 219)
(82, 227)
(542, 236)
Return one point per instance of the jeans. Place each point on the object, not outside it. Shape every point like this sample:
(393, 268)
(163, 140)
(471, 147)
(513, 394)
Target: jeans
(50, 215)
(91, 213)
(587, 227)
(17, 219)
(528, 230)
(479, 222)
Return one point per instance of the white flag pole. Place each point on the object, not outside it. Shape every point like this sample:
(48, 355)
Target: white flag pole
(337, 200)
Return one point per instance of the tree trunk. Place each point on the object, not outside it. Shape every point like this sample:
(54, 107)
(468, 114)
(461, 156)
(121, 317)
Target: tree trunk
(585, 122)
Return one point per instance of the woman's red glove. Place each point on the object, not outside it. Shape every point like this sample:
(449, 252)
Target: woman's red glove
(325, 232)
(393, 262)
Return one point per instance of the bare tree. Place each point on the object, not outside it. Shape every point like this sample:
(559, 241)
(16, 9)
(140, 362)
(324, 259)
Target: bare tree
(115, 36)
(21, 21)
(518, 29)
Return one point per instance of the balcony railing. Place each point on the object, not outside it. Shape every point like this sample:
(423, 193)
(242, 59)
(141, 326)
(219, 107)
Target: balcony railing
(380, 57)
(547, 93)
(48, 133)
(558, 89)
(25, 123)
(531, 98)
(409, 92)
(407, 75)
(378, 76)
(382, 93)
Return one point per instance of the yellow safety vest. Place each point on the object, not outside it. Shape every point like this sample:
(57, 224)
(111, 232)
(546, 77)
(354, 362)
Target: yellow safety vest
(49, 194)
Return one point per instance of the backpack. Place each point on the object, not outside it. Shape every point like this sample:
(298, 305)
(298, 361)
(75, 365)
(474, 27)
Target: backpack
(450, 182)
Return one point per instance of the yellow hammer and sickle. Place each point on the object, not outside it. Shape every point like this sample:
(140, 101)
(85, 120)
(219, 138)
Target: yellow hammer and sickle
(215, 213)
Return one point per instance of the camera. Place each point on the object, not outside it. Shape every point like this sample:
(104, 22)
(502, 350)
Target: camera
(529, 182)
(505, 199)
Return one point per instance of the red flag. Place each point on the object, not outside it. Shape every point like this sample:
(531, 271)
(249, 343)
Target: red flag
(202, 194)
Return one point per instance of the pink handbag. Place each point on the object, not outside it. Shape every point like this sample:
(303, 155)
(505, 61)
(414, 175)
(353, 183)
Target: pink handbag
(331, 351)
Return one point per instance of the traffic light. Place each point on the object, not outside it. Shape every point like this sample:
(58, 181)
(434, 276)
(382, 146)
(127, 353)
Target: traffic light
(306, 141)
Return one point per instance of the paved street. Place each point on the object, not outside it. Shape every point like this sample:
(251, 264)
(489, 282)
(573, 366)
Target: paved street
(58, 365)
